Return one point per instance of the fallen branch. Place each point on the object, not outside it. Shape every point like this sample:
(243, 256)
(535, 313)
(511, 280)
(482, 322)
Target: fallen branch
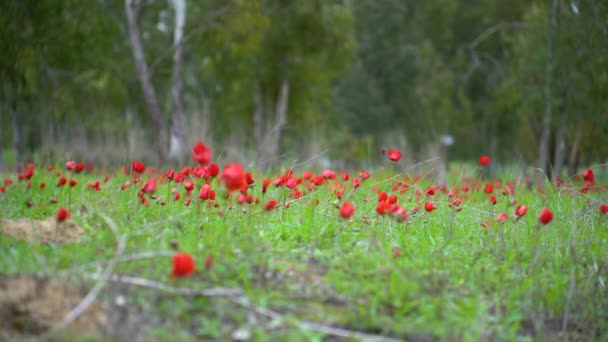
(238, 297)
(181, 291)
(105, 276)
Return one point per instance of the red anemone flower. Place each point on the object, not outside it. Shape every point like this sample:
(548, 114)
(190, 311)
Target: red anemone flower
(78, 168)
(233, 176)
(502, 217)
(62, 214)
(265, 183)
(545, 216)
(521, 210)
(183, 265)
(149, 187)
(604, 209)
(484, 160)
(429, 207)
(202, 153)
(589, 176)
(171, 174)
(138, 166)
(394, 155)
(347, 210)
(271, 204)
(488, 189)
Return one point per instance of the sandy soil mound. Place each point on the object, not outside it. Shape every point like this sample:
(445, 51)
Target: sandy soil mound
(42, 231)
(29, 306)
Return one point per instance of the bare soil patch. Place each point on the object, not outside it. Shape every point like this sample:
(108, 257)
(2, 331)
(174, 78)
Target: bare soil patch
(42, 231)
(30, 306)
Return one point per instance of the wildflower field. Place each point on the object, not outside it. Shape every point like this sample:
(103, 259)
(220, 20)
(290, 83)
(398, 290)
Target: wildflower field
(216, 251)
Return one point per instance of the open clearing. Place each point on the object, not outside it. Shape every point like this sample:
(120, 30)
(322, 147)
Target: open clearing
(306, 266)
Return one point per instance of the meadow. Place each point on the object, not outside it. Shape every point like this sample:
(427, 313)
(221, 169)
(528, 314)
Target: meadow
(218, 252)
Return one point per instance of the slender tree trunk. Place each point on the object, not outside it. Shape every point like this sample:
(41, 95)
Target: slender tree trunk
(258, 125)
(280, 121)
(143, 73)
(560, 149)
(17, 137)
(574, 152)
(177, 119)
(2, 161)
(543, 147)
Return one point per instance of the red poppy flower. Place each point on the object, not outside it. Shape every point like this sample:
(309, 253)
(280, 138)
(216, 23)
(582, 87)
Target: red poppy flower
(70, 165)
(318, 180)
(604, 209)
(78, 168)
(545, 216)
(364, 175)
(62, 214)
(328, 174)
(429, 207)
(138, 167)
(399, 213)
(589, 176)
(347, 210)
(291, 182)
(187, 202)
(149, 187)
(484, 160)
(204, 193)
(171, 174)
(42, 185)
(202, 153)
(521, 210)
(502, 217)
(394, 155)
(233, 177)
(214, 170)
(189, 186)
(73, 183)
(183, 265)
(28, 173)
(492, 199)
(345, 176)
(265, 183)
(488, 188)
(271, 204)
(383, 207)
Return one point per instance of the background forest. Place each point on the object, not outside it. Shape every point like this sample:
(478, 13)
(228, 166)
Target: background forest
(270, 81)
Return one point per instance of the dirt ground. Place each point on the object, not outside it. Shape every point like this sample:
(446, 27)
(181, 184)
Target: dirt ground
(30, 306)
(42, 231)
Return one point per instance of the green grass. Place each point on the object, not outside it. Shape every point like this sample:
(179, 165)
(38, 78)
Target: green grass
(454, 280)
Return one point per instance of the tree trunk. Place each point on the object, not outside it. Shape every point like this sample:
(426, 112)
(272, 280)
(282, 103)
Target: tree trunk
(560, 150)
(150, 98)
(543, 147)
(177, 119)
(280, 121)
(258, 125)
(2, 161)
(574, 152)
(17, 137)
